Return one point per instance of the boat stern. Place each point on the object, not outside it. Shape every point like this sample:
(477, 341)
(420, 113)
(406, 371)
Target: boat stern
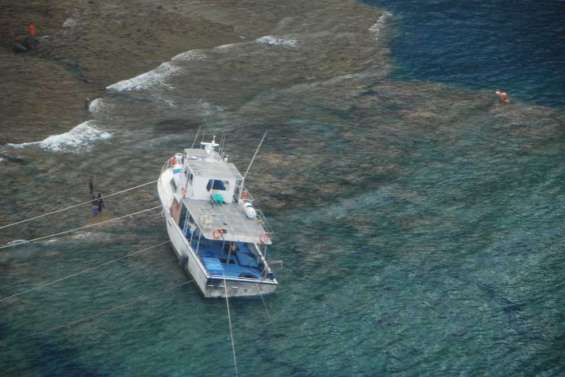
(218, 287)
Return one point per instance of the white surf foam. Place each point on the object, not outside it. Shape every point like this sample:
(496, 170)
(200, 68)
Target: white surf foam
(95, 105)
(79, 138)
(227, 46)
(169, 102)
(271, 40)
(146, 80)
(209, 109)
(380, 24)
(190, 55)
(70, 23)
(97, 236)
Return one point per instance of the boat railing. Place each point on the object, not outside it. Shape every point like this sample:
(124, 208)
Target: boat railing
(262, 219)
(247, 197)
(171, 162)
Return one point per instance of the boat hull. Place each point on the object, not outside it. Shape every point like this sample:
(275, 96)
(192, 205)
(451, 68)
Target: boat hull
(210, 286)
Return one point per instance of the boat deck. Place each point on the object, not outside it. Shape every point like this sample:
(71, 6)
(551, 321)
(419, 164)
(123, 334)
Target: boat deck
(214, 255)
(229, 217)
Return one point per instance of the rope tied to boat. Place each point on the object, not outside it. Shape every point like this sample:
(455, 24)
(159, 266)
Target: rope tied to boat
(25, 242)
(229, 314)
(75, 205)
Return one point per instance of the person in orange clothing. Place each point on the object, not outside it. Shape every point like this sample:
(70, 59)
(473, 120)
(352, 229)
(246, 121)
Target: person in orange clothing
(28, 42)
(31, 30)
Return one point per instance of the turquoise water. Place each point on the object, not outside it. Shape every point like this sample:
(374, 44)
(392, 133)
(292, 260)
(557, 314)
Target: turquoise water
(419, 223)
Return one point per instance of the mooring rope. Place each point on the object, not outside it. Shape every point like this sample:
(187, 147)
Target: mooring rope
(231, 330)
(229, 316)
(88, 269)
(74, 206)
(25, 242)
(264, 304)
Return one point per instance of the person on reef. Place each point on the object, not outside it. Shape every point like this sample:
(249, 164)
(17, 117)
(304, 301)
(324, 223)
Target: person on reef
(94, 206)
(100, 203)
(27, 42)
(31, 30)
(502, 96)
(91, 187)
(97, 202)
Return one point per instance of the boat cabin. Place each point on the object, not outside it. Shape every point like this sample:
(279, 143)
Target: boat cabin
(212, 180)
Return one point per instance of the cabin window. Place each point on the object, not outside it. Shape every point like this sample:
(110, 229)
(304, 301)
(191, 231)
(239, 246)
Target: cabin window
(216, 184)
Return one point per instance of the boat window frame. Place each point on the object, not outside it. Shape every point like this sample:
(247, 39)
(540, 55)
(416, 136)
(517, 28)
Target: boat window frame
(211, 185)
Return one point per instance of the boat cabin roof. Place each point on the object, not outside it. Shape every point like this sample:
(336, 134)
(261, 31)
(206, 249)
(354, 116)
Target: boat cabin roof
(226, 222)
(205, 164)
(215, 169)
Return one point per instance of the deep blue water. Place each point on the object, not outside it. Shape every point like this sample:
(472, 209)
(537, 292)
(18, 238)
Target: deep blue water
(515, 45)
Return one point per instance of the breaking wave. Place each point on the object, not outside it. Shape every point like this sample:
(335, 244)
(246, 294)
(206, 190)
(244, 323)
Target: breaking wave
(147, 80)
(190, 55)
(277, 41)
(95, 105)
(157, 76)
(79, 138)
(226, 46)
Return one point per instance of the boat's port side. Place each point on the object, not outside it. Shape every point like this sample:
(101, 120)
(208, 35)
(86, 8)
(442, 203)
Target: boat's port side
(166, 194)
(187, 258)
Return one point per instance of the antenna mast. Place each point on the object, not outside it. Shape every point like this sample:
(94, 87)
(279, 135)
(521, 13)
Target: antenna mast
(255, 155)
(196, 136)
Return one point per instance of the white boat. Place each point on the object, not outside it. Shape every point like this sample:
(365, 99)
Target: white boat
(220, 239)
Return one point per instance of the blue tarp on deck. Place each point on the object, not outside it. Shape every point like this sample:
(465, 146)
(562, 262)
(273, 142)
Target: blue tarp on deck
(213, 265)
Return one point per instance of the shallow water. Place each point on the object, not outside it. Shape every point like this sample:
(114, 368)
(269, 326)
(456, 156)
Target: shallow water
(419, 224)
